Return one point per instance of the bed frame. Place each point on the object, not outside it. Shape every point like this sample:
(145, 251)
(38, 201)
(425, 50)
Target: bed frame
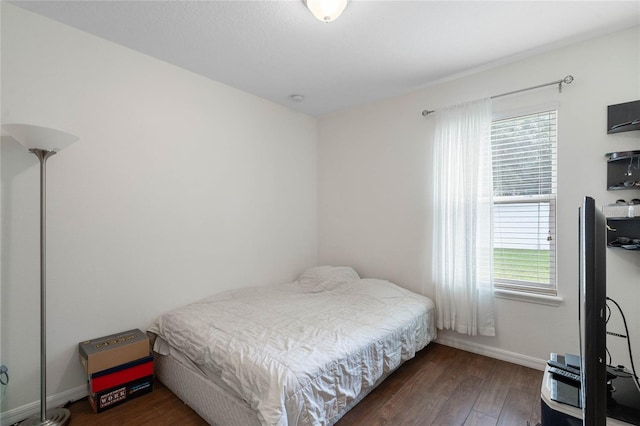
(214, 404)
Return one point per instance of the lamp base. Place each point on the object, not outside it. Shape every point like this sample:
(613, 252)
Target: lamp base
(55, 416)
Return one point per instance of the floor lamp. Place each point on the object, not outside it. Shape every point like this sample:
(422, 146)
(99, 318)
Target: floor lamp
(43, 142)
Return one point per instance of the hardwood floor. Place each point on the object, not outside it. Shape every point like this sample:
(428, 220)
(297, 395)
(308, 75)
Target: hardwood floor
(440, 386)
(447, 386)
(158, 408)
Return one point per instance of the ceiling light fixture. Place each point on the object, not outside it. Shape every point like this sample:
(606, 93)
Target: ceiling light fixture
(326, 10)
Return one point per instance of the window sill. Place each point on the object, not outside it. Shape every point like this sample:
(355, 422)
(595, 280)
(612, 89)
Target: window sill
(519, 296)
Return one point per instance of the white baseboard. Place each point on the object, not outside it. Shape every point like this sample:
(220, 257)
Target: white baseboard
(501, 354)
(20, 413)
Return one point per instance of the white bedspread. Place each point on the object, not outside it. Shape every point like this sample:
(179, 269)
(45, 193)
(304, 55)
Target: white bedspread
(298, 353)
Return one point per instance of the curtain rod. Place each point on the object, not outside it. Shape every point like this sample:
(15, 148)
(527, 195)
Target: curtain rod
(567, 80)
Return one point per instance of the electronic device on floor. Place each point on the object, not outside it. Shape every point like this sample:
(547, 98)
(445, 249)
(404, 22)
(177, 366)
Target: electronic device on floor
(623, 399)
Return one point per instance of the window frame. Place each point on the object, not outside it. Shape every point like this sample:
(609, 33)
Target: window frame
(529, 290)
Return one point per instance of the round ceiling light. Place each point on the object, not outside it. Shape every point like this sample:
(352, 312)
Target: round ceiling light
(326, 10)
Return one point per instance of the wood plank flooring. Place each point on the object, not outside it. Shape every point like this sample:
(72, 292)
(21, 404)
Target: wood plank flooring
(440, 386)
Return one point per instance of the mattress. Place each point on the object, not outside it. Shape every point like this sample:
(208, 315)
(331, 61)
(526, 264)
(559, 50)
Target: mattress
(300, 353)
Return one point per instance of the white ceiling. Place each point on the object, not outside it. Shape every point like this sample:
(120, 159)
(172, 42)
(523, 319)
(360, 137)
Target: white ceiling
(375, 50)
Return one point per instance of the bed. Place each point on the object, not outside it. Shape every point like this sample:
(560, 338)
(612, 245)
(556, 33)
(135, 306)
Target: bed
(299, 353)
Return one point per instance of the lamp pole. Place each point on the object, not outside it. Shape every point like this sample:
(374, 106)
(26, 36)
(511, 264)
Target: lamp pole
(43, 155)
(57, 416)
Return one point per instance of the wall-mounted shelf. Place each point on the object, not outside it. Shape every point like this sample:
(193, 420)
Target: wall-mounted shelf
(623, 173)
(623, 227)
(623, 170)
(623, 117)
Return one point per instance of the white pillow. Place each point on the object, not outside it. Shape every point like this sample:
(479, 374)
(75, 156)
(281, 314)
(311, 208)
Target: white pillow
(322, 278)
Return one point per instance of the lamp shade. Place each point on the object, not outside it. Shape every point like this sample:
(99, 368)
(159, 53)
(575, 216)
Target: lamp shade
(37, 137)
(326, 10)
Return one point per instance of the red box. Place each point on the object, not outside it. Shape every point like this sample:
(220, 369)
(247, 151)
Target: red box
(122, 374)
(113, 397)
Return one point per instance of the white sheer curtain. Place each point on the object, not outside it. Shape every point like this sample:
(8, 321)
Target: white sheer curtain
(462, 200)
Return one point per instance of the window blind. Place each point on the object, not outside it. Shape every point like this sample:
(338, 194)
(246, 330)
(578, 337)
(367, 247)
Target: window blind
(524, 184)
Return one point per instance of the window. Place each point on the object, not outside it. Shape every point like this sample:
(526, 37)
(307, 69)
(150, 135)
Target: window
(524, 190)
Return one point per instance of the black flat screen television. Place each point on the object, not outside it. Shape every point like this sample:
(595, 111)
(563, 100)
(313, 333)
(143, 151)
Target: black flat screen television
(592, 314)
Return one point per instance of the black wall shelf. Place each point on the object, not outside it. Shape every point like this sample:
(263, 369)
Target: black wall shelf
(623, 170)
(623, 173)
(623, 117)
(628, 227)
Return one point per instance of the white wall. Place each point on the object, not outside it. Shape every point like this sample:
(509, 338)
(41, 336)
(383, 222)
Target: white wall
(178, 187)
(374, 205)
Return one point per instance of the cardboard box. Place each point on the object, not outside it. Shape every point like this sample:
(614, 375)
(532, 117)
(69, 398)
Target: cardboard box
(113, 397)
(110, 351)
(120, 375)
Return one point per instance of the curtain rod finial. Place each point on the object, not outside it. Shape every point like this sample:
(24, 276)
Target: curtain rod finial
(567, 80)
